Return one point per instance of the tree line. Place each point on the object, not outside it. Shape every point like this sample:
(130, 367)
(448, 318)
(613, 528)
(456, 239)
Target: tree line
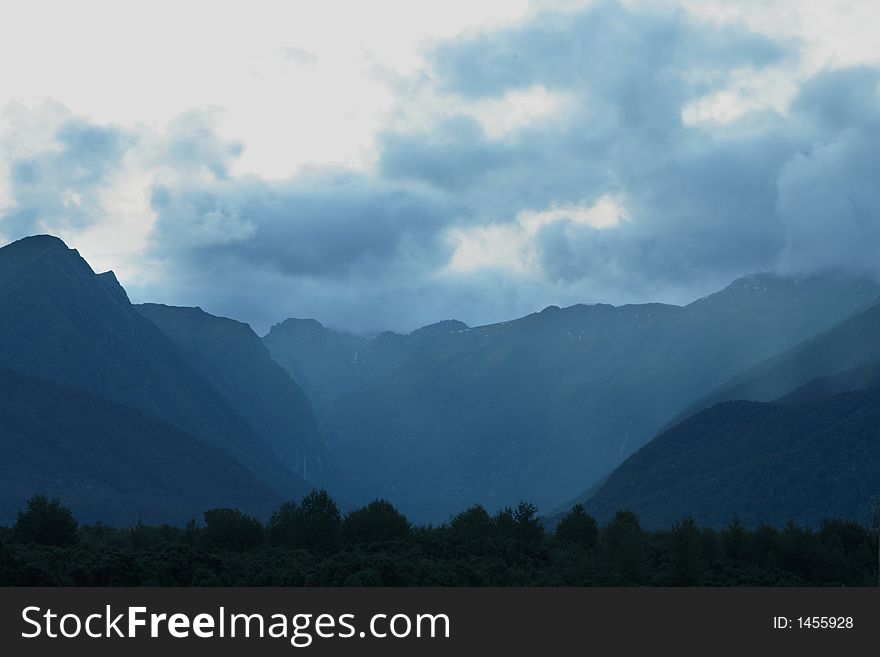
(310, 543)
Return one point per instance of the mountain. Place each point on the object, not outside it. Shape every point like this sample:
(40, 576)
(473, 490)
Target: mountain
(322, 361)
(806, 456)
(109, 462)
(61, 322)
(230, 356)
(328, 363)
(543, 406)
(858, 378)
(761, 462)
(842, 358)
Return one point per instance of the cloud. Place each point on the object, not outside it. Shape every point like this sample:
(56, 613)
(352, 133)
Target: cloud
(59, 185)
(700, 201)
(300, 56)
(615, 152)
(629, 73)
(454, 156)
(828, 196)
(325, 225)
(191, 143)
(622, 56)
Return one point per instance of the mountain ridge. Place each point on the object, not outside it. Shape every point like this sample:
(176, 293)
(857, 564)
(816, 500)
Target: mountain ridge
(61, 322)
(229, 355)
(543, 405)
(849, 345)
(109, 462)
(760, 462)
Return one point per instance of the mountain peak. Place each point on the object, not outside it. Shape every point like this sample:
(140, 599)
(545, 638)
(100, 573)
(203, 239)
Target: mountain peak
(42, 240)
(108, 278)
(835, 287)
(48, 261)
(192, 320)
(442, 327)
(35, 245)
(295, 323)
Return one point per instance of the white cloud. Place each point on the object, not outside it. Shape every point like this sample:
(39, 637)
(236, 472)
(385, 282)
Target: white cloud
(748, 91)
(127, 63)
(512, 247)
(831, 34)
(515, 110)
(253, 117)
(834, 33)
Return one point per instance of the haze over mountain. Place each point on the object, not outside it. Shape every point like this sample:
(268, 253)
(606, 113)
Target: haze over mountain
(61, 322)
(812, 453)
(230, 356)
(466, 162)
(765, 463)
(538, 408)
(843, 358)
(111, 463)
(543, 406)
(330, 363)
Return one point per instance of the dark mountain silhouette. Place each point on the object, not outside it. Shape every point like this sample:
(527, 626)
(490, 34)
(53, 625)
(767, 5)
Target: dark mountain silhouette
(109, 462)
(230, 356)
(761, 462)
(61, 322)
(543, 406)
(818, 434)
(439, 419)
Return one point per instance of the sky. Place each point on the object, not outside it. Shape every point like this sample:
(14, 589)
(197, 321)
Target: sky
(389, 164)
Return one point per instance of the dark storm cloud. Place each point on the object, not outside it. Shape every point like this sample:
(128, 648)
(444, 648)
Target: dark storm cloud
(631, 55)
(828, 193)
(322, 225)
(704, 202)
(841, 100)
(699, 200)
(629, 74)
(456, 155)
(697, 210)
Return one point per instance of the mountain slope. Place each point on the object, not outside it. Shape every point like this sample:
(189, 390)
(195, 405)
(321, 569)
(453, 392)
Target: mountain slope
(763, 462)
(328, 363)
(853, 344)
(858, 378)
(543, 406)
(109, 462)
(61, 322)
(230, 356)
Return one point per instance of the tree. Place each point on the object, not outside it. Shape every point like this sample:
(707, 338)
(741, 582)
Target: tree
(46, 522)
(473, 523)
(625, 548)
(733, 537)
(528, 526)
(282, 529)
(191, 533)
(7, 564)
(317, 523)
(378, 521)
(685, 555)
(505, 525)
(232, 530)
(578, 527)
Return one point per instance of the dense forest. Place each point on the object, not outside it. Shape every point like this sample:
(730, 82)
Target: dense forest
(311, 544)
